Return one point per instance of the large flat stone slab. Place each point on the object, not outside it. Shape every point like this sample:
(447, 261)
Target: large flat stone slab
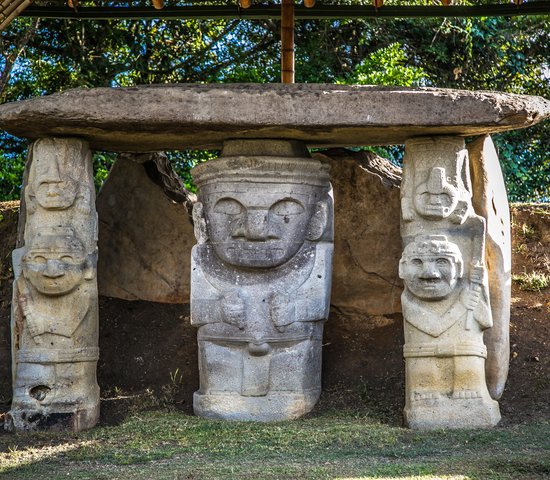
(164, 117)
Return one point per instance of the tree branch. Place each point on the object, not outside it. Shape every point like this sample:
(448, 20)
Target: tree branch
(11, 59)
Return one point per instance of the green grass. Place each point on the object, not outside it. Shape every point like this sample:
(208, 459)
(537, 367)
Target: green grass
(170, 445)
(532, 281)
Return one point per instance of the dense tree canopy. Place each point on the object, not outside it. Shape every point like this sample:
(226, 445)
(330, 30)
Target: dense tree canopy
(506, 54)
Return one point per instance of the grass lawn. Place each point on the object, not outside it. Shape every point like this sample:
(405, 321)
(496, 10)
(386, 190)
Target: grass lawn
(347, 444)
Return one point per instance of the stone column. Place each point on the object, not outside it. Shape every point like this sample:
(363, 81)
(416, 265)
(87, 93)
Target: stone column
(260, 281)
(445, 303)
(54, 312)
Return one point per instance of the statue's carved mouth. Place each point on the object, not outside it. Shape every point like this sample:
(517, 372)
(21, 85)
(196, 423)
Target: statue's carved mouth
(430, 283)
(255, 252)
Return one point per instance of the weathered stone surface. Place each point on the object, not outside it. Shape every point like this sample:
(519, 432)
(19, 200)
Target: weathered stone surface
(491, 202)
(445, 303)
(365, 276)
(260, 284)
(164, 117)
(367, 244)
(54, 308)
(146, 232)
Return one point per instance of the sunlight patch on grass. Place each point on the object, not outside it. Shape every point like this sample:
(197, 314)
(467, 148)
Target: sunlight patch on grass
(167, 445)
(15, 455)
(414, 477)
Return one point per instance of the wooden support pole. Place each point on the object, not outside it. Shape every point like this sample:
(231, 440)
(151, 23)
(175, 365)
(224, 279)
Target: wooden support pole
(287, 41)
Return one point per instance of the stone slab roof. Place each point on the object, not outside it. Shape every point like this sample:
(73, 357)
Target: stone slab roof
(171, 117)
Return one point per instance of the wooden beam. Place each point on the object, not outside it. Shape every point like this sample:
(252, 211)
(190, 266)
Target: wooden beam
(8, 13)
(263, 12)
(287, 41)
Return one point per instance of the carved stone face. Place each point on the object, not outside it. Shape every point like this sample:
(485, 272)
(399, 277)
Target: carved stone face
(55, 265)
(260, 225)
(436, 198)
(430, 278)
(431, 267)
(52, 191)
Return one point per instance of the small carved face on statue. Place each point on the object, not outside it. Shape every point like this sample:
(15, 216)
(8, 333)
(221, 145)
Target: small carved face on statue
(257, 220)
(431, 267)
(56, 262)
(52, 189)
(436, 198)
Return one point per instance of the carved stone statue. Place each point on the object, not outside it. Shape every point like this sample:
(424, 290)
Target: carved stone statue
(60, 182)
(446, 302)
(55, 316)
(436, 182)
(260, 286)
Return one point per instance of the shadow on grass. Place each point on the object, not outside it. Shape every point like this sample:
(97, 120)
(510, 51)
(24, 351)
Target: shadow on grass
(169, 445)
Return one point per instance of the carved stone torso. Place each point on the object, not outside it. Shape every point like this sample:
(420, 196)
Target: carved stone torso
(278, 306)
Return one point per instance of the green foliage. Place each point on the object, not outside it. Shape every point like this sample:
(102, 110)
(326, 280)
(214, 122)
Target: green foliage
(184, 160)
(387, 66)
(532, 281)
(497, 53)
(12, 166)
(525, 158)
(102, 164)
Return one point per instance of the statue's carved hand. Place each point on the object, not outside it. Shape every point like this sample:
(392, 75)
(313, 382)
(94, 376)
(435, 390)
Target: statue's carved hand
(34, 327)
(234, 310)
(473, 298)
(281, 310)
(477, 274)
(407, 211)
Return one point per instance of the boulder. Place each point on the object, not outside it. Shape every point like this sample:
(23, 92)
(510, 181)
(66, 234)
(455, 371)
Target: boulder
(145, 233)
(367, 242)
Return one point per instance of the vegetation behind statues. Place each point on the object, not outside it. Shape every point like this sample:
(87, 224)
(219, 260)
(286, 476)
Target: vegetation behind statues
(39, 57)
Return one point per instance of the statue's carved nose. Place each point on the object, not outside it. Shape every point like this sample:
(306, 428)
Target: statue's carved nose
(430, 271)
(54, 269)
(256, 225)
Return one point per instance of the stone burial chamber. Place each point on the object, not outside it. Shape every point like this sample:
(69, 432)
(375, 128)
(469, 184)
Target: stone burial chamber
(274, 251)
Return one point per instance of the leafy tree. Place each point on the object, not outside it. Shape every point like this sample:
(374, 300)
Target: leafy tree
(506, 54)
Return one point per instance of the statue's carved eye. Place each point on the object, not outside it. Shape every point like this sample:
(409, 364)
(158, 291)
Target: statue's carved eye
(39, 259)
(67, 259)
(442, 262)
(228, 206)
(287, 207)
(416, 262)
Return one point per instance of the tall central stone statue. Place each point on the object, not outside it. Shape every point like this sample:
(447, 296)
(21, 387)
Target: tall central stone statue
(260, 281)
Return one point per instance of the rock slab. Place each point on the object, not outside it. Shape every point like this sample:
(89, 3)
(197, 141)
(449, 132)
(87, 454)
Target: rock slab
(491, 202)
(146, 232)
(166, 117)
